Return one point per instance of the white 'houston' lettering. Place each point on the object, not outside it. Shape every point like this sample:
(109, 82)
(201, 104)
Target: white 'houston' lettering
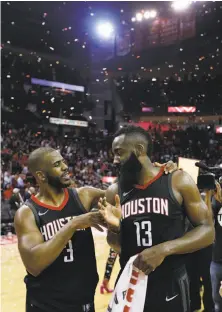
(44, 233)
(164, 207)
(146, 205)
(127, 210)
(134, 207)
(58, 225)
(141, 205)
(156, 205)
(50, 229)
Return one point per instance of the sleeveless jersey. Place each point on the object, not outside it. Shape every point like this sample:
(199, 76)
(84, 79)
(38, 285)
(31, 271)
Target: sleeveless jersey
(72, 278)
(151, 215)
(217, 249)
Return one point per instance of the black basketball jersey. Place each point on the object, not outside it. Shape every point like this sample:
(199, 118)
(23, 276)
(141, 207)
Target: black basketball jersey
(217, 249)
(151, 215)
(72, 278)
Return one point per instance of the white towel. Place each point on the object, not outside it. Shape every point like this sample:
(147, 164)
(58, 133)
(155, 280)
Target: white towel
(130, 292)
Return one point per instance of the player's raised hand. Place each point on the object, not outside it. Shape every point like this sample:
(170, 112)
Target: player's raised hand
(149, 259)
(169, 167)
(111, 214)
(89, 219)
(218, 193)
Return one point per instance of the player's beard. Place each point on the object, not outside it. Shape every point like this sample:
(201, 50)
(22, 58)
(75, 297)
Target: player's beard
(56, 182)
(129, 173)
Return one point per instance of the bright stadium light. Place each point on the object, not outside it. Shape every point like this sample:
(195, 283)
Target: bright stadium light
(139, 17)
(147, 15)
(105, 30)
(153, 14)
(181, 5)
(133, 19)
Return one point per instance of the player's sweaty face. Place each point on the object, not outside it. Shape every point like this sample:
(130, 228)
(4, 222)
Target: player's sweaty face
(127, 162)
(57, 170)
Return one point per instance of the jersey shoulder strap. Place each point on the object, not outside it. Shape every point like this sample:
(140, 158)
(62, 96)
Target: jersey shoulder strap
(74, 194)
(31, 205)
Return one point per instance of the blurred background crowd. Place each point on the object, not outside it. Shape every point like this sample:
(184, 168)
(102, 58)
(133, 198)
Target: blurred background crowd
(75, 72)
(160, 69)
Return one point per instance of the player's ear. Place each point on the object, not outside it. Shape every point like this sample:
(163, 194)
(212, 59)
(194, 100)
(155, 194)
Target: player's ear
(139, 150)
(41, 176)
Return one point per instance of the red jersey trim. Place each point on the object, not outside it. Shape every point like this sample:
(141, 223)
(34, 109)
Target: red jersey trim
(143, 187)
(66, 198)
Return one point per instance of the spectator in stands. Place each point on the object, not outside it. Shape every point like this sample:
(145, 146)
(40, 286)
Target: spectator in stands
(20, 181)
(7, 179)
(29, 192)
(8, 191)
(15, 201)
(6, 215)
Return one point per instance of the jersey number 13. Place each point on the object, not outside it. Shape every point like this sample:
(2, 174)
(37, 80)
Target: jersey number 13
(144, 233)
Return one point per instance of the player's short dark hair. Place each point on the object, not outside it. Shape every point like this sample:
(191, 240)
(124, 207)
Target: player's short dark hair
(36, 158)
(137, 131)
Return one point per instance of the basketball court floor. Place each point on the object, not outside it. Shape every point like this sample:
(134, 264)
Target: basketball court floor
(13, 272)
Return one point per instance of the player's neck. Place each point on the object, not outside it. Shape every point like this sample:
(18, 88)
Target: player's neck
(148, 172)
(50, 194)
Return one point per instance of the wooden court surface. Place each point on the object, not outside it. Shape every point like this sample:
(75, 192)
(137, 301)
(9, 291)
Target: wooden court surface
(13, 272)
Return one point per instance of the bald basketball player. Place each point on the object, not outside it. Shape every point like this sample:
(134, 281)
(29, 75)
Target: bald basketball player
(148, 219)
(55, 240)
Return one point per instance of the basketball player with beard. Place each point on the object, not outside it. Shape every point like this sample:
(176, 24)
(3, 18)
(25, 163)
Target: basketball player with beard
(55, 240)
(148, 218)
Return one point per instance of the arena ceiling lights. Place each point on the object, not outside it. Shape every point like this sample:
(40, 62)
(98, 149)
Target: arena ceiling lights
(181, 5)
(177, 5)
(105, 30)
(144, 15)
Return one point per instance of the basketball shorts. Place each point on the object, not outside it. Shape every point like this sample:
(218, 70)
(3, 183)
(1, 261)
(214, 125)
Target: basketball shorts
(32, 306)
(168, 293)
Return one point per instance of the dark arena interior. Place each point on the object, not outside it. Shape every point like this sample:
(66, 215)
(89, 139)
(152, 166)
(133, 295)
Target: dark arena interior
(73, 74)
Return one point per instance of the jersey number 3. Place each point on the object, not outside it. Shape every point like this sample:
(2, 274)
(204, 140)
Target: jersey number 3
(69, 251)
(144, 238)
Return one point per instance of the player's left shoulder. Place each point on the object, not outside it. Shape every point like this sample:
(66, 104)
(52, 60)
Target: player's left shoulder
(91, 191)
(182, 180)
(89, 195)
(180, 174)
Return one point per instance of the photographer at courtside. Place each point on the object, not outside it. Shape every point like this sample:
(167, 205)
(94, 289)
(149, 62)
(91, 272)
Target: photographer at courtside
(213, 200)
